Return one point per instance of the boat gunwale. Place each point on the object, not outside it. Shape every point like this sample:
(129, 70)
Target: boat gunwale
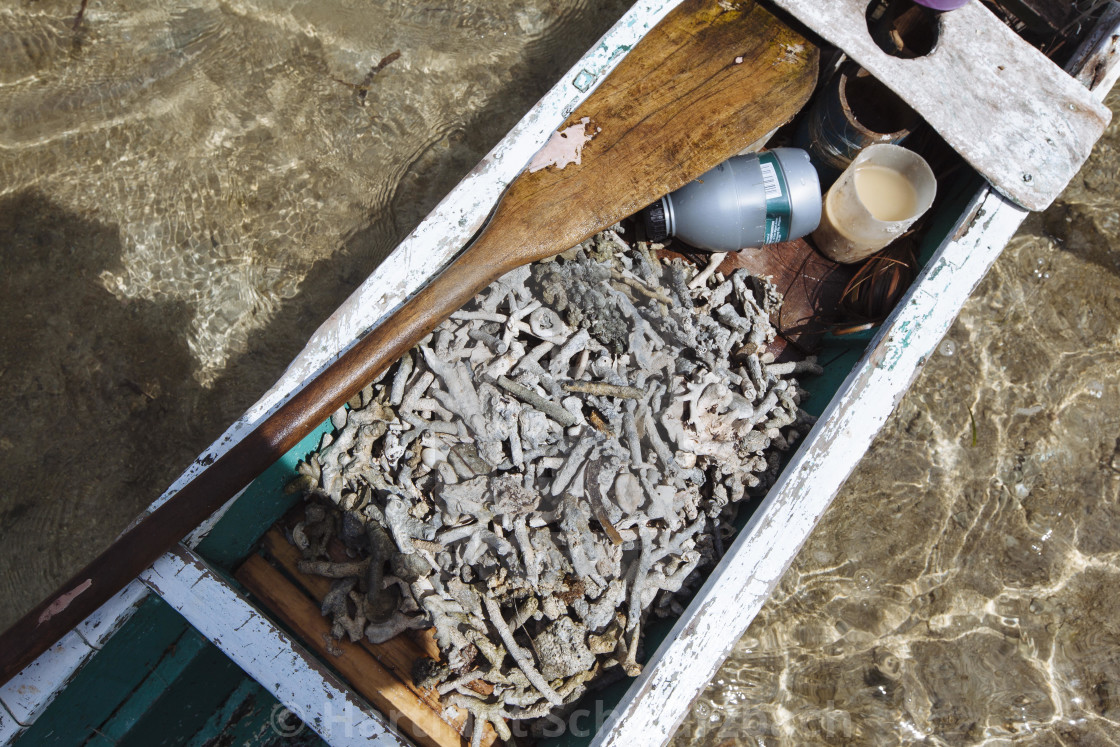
(673, 677)
(458, 216)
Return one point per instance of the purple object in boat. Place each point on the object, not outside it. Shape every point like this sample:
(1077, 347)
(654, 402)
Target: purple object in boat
(942, 4)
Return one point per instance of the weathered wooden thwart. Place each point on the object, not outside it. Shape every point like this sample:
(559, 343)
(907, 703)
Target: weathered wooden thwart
(339, 707)
(1014, 115)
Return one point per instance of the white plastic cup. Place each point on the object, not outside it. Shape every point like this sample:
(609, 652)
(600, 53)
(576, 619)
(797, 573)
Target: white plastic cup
(877, 198)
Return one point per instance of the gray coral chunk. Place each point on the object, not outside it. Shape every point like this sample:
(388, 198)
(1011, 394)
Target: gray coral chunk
(556, 462)
(562, 648)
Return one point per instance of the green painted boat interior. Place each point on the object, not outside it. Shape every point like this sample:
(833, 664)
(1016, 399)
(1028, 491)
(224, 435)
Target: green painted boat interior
(157, 681)
(839, 355)
(263, 502)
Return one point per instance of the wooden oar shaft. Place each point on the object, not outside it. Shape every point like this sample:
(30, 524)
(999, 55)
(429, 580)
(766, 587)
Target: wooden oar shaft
(700, 86)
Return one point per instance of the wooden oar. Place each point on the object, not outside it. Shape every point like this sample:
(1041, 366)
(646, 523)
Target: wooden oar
(704, 83)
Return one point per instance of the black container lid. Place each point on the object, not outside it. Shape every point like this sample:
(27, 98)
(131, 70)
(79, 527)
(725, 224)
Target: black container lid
(657, 226)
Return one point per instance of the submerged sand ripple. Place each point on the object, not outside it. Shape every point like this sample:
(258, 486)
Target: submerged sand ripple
(187, 189)
(962, 592)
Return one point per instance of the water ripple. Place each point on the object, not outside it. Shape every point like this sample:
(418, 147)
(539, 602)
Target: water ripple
(960, 594)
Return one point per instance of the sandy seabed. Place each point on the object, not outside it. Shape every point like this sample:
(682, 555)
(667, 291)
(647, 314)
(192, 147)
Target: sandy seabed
(186, 191)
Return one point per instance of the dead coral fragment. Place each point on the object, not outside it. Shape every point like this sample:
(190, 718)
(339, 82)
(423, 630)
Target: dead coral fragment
(552, 464)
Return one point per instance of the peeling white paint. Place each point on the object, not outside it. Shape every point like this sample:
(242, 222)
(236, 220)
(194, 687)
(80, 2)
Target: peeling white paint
(99, 627)
(1096, 59)
(564, 147)
(1038, 124)
(723, 609)
(63, 601)
(267, 654)
(28, 694)
(23, 696)
(719, 615)
(9, 727)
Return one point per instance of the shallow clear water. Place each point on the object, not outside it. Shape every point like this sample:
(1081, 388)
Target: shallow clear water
(186, 191)
(964, 587)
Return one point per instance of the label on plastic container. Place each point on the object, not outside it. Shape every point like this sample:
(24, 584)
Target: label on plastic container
(778, 207)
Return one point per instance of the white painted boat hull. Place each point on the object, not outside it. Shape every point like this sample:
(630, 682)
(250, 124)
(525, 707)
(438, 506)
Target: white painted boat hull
(680, 668)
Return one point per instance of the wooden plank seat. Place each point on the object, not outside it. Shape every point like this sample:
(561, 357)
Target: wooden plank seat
(381, 673)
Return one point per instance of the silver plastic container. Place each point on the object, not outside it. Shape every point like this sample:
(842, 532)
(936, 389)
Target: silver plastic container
(747, 201)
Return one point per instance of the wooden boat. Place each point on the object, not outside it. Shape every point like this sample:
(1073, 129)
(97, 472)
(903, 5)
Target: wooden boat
(184, 654)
